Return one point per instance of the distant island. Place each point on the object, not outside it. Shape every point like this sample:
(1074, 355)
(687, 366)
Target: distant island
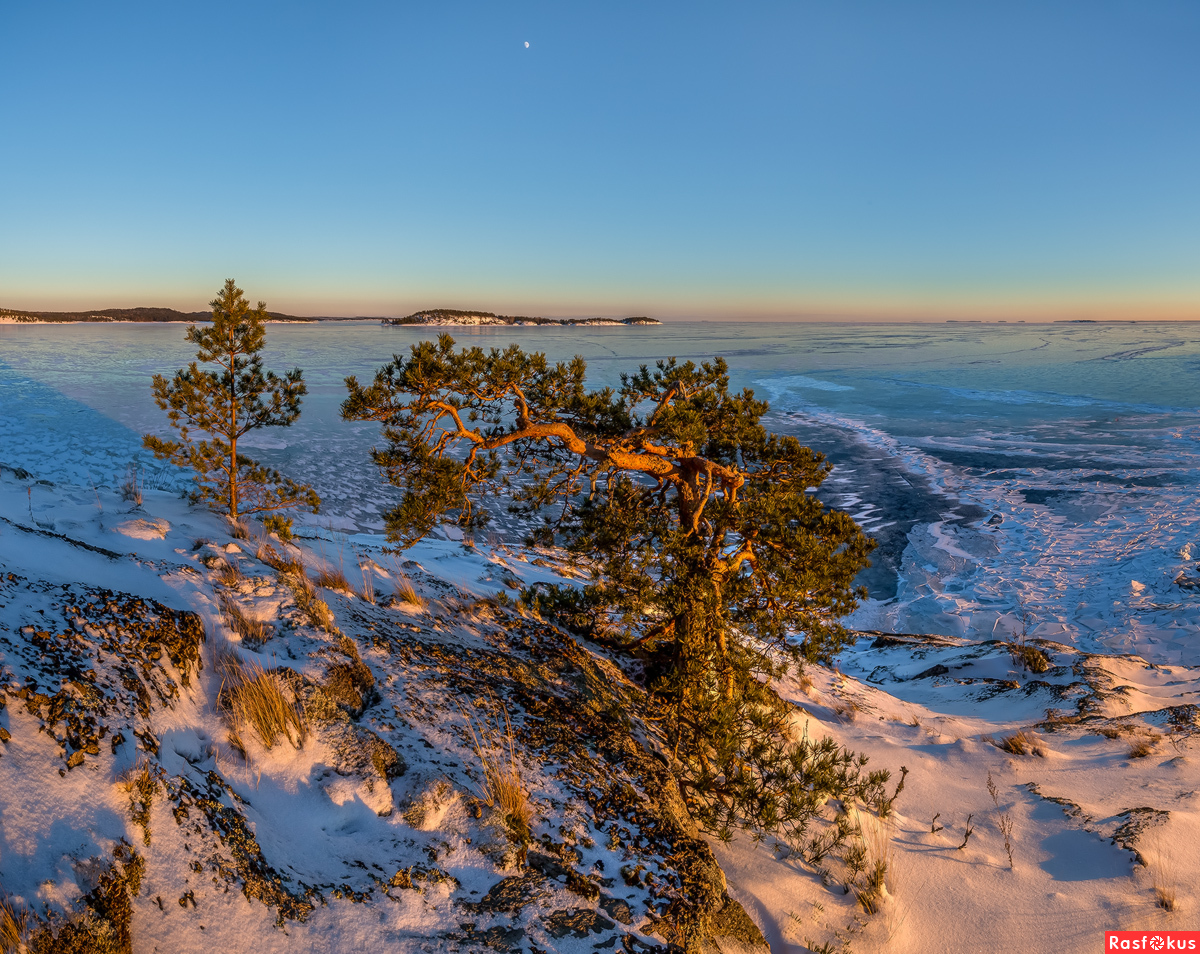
(453, 316)
(435, 316)
(10, 315)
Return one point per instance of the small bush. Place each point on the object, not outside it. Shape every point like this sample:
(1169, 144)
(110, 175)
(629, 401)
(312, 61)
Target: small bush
(280, 526)
(250, 695)
(351, 686)
(1005, 824)
(1029, 657)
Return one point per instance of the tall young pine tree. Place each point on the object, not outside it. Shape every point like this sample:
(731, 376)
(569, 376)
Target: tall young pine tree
(224, 405)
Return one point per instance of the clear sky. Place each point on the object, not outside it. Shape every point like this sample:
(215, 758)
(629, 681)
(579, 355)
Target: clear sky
(887, 159)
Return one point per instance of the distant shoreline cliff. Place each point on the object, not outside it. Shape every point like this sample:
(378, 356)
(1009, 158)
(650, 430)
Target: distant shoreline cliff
(452, 316)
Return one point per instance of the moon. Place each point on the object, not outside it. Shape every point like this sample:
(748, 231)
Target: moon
(527, 44)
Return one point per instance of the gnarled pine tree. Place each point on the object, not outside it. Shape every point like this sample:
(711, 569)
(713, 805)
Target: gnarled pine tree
(711, 560)
(226, 404)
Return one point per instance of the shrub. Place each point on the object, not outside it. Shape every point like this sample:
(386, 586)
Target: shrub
(1030, 657)
(869, 860)
(279, 525)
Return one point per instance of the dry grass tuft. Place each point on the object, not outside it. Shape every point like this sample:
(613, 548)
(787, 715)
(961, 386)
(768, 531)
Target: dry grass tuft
(254, 632)
(870, 860)
(12, 927)
(333, 578)
(1005, 824)
(252, 696)
(503, 790)
(131, 487)
(1021, 743)
(1160, 865)
(368, 582)
(407, 594)
(1143, 746)
(294, 575)
(228, 574)
(239, 530)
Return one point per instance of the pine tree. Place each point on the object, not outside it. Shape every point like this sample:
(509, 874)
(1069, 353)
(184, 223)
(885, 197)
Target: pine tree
(712, 561)
(224, 405)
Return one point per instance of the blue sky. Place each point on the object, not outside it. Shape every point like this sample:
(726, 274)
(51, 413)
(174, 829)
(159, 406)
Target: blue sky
(694, 159)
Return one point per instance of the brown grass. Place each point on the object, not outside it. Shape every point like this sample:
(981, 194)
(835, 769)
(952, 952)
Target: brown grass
(503, 788)
(252, 696)
(1021, 743)
(407, 594)
(294, 575)
(12, 927)
(875, 875)
(333, 578)
(228, 574)
(131, 487)
(368, 582)
(1005, 824)
(1143, 746)
(1160, 865)
(254, 632)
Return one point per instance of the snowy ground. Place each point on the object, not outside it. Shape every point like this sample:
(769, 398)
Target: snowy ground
(1102, 805)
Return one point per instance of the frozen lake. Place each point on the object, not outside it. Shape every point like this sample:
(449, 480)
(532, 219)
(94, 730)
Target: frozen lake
(1001, 466)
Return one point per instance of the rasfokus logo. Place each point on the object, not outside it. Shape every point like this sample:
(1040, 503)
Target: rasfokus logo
(1152, 940)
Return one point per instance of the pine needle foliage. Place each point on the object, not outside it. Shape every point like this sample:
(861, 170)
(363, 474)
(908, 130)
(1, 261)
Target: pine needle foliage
(712, 562)
(226, 404)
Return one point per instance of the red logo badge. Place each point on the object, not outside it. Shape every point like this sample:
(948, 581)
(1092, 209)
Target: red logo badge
(1152, 941)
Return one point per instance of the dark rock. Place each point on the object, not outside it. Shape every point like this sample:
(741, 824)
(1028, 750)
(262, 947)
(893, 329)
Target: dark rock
(511, 894)
(938, 670)
(734, 923)
(578, 922)
(617, 908)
